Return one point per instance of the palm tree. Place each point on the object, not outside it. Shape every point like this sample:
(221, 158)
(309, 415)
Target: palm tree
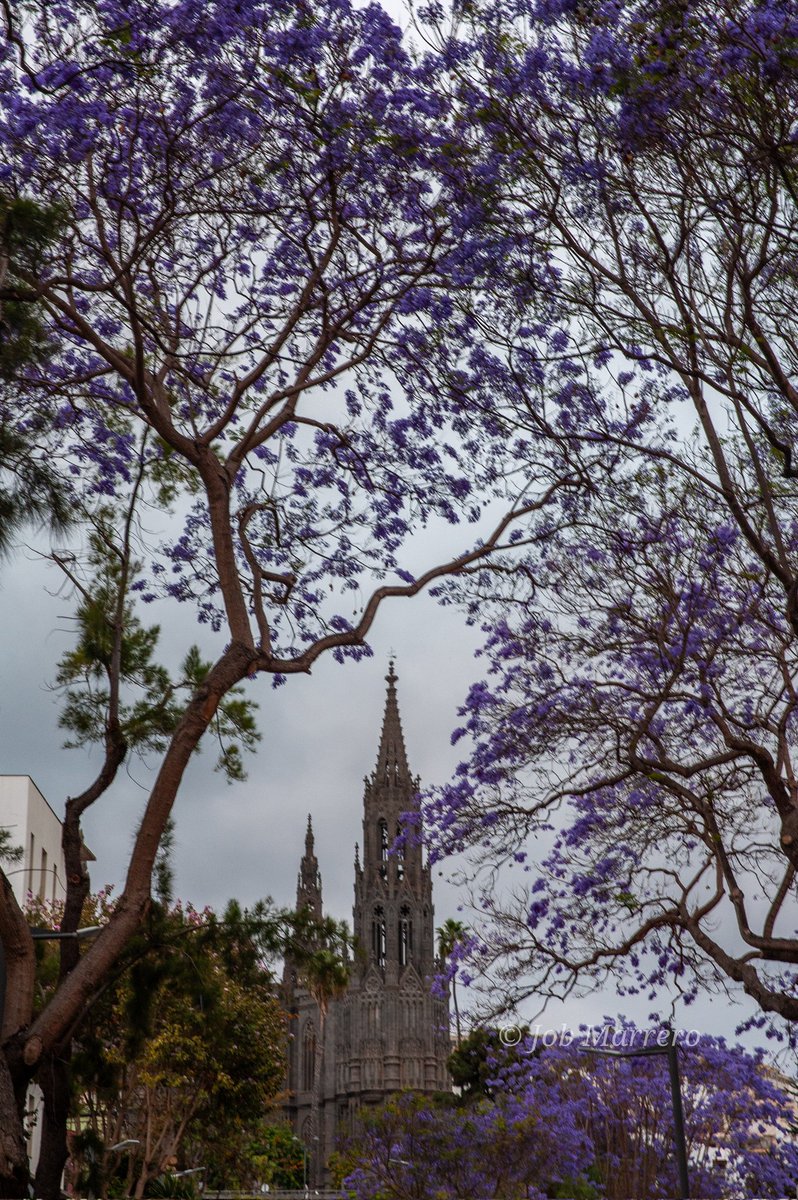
(452, 933)
(326, 976)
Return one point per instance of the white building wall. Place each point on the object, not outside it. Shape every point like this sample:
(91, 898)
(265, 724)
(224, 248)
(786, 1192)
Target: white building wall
(34, 826)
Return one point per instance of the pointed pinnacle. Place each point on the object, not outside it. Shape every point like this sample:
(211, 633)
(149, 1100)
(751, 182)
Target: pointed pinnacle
(392, 765)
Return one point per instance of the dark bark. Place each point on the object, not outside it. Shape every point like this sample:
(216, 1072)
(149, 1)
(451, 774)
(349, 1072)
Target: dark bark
(54, 1076)
(54, 1079)
(13, 1149)
(75, 992)
(15, 1075)
(18, 961)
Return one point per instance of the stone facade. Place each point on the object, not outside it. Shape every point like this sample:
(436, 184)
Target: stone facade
(387, 1032)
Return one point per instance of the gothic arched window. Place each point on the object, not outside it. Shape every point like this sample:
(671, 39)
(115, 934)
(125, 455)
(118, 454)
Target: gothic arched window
(308, 1057)
(378, 936)
(400, 854)
(405, 936)
(382, 838)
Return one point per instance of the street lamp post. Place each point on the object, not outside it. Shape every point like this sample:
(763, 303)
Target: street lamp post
(91, 1155)
(680, 1142)
(191, 1171)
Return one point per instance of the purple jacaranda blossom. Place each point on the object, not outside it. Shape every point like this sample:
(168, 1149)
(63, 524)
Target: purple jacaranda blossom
(552, 1116)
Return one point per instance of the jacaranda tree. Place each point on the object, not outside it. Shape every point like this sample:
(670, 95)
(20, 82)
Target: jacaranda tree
(249, 303)
(636, 163)
(411, 1148)
(564, 1122)
(640, 704)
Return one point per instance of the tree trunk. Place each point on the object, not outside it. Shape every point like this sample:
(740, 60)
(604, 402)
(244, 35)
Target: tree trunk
(55, 1071)
(17, 971)
(17, 964)
(13, 1147)
(317, 1172)
(54, 1078)
(75, 992)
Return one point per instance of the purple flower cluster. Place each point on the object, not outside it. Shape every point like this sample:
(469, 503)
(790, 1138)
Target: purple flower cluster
(633, 731)
(256, 271)
(562, 1118)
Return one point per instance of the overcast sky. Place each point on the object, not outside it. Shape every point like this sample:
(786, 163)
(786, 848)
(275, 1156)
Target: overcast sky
(320, 737)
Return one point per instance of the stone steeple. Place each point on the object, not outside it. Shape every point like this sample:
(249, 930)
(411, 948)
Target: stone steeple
(388, 1031)
(308, 884)
(392, 770)
(393, 891)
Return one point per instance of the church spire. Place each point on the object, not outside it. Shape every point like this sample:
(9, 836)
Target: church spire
(388, 1033)
(308, 884)
(393, 890)
(392, 768)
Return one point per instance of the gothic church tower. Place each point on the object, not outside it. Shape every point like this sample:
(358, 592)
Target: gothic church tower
(388, 1032)
(308, 884)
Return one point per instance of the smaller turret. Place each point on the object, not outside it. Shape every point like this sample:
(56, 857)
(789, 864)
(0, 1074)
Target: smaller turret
(308, 884)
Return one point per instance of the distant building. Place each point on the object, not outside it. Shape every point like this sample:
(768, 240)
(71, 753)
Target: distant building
(34, 827)
(388, 1032)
